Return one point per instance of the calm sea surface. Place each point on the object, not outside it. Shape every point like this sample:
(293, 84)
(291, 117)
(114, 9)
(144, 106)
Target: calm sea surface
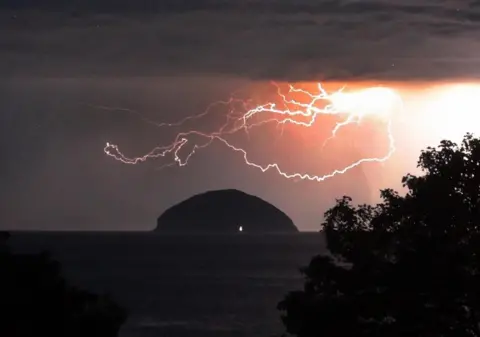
(181, 285)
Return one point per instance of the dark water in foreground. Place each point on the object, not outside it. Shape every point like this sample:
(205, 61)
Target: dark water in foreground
(208, 285)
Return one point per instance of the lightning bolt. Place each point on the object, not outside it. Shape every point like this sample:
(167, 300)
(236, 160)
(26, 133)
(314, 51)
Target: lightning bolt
(353, 107)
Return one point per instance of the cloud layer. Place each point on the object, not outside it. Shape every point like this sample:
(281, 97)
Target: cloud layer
(271, 39)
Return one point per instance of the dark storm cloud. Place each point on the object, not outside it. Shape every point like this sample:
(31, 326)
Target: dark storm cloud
(272, 6)
(272, 39)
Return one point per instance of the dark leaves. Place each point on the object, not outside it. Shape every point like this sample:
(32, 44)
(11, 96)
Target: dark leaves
(411, 263)
(37, 301)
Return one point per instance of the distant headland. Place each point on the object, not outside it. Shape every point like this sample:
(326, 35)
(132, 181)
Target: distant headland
(224, 211)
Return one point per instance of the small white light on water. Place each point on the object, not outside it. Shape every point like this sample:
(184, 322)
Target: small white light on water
(240, 228)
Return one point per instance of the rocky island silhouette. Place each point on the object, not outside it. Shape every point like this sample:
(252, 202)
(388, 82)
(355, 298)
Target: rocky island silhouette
(224, 211)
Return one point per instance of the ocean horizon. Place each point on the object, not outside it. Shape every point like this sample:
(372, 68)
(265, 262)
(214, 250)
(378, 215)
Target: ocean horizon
(184, 284)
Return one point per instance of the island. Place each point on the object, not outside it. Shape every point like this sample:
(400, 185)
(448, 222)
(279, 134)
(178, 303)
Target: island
(224, 211)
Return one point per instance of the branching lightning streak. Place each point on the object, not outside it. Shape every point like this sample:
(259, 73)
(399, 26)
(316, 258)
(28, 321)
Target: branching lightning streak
(355, 106)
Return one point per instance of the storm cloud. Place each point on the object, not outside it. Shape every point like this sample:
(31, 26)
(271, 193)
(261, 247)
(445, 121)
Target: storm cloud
(272, 39)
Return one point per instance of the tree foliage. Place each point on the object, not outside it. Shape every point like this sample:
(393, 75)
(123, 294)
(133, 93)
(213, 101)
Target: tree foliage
(409, 266)
(37, 301)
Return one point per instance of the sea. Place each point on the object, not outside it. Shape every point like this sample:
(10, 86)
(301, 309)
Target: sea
(185, 285)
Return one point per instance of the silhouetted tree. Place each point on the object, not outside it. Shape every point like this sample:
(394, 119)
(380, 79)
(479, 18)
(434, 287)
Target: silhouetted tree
(4, 236)
(408, 266)
(35, 300)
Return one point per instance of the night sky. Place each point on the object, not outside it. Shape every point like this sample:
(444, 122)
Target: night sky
(63, 62)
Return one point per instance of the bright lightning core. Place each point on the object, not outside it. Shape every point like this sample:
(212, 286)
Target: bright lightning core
(350, 107)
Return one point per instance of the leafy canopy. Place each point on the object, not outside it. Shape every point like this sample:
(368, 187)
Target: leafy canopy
(408, 266)
(37, 301)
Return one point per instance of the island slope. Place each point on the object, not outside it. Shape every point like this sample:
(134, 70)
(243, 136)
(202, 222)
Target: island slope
(224, 211)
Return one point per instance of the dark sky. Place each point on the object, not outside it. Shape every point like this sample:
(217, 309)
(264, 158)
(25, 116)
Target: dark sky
(307, 39)
(60, 60)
